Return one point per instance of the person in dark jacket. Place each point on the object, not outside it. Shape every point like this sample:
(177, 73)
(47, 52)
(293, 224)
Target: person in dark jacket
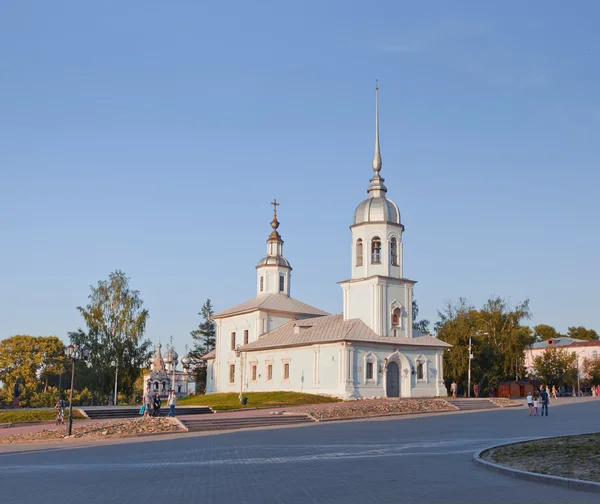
(545, 398)
(156, 405)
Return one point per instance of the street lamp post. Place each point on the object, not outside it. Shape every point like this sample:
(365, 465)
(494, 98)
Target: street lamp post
(75, 353)
(470, 359)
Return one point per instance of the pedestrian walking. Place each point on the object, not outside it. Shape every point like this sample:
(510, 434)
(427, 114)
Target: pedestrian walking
(476, 390)
(530, 403)
(535, 406)
(491, 391)
(147, 401)
(453, 389)
(545, 397)
(172, 401)
(554, 393)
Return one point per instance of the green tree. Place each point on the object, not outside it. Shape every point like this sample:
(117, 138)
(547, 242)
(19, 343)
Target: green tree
(204, 341)
(32, 359)
(498, 341)
(456, 322)
(591, 368)
(116, 322)
(422, 325)
(556, 366)
(543, 332)
(582, 333)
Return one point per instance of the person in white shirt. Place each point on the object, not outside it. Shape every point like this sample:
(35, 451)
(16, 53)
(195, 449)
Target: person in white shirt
(172, 401)
(535, 407)
(530, 403)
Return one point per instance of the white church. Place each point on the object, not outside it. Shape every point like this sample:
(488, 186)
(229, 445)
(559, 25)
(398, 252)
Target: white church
(275, 342)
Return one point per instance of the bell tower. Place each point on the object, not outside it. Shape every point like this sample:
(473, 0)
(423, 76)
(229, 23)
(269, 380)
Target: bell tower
(273, 271)
(377, 292)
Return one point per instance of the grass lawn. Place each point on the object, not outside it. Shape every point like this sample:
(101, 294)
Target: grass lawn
(255, 400)
(33, 415)
(569, 456)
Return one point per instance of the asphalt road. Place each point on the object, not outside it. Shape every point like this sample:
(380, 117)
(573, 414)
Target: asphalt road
(419, 459)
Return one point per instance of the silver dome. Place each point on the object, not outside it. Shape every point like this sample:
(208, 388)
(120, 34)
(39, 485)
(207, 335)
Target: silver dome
(274, 260)
(377, 209)
(171, 356)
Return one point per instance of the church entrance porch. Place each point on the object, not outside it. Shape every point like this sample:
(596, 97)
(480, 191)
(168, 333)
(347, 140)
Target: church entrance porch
(392, 380)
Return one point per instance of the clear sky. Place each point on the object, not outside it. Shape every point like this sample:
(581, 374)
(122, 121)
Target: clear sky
(151, 136)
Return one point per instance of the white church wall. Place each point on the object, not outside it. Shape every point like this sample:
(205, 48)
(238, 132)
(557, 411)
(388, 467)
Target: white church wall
(375, 387)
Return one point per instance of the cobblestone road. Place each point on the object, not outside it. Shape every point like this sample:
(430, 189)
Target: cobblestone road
(418, 459)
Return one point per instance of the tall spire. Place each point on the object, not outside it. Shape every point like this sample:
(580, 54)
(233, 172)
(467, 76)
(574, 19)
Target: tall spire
(377, 188)
(376, 154)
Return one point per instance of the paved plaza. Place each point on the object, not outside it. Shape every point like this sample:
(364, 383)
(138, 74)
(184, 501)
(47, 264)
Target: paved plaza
(413, 459)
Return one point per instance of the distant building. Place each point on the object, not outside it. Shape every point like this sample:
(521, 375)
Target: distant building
(160, 377)
(276, 342)
(582, 348)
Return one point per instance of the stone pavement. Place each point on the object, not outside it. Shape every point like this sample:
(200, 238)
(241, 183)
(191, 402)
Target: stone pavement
(400, 459)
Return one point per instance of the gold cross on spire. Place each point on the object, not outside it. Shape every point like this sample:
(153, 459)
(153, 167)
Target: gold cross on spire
(275, 205)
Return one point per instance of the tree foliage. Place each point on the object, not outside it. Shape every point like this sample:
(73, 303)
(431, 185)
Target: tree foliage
(116, 321)
(543, 332)
(591, 368)
(421, 325)
(556, 366)
(498, 340)
(204, 341)
(33, 360)
(582, 333)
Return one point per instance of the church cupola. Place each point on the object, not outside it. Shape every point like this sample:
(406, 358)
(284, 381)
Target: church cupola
(273, 270)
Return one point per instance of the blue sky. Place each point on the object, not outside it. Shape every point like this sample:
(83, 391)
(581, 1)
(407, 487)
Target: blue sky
(151, 137)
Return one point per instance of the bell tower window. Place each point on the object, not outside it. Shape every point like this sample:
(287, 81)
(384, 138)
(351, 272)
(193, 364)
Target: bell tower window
(262, 284)
(359, 252)
(281, 283)
(376, 250)
(394, 251)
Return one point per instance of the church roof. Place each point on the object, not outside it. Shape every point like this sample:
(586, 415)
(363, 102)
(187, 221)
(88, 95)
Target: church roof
(272, 302)
(210, 355)
(332, 328)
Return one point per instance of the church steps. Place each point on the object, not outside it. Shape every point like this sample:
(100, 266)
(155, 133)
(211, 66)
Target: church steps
(216, 423)
(473, 404)
(124, 412)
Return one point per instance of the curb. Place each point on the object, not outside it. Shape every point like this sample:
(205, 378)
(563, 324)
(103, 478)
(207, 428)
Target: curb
(571, 483)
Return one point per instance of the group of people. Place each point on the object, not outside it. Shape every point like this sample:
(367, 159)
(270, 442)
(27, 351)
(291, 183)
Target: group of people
(152, 403)
(538, 400)
(476, 390)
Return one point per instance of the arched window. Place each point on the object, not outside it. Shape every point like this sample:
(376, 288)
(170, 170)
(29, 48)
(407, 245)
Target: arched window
(376, 250)
(262, 284)
(359, 252)
(394, 251)
(396, 314)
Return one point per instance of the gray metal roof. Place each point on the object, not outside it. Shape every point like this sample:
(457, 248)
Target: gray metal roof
(333, 328)
(272, 302)
(561, 341)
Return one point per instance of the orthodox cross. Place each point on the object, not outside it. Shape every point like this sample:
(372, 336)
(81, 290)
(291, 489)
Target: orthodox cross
(275, 205)
(171, 340)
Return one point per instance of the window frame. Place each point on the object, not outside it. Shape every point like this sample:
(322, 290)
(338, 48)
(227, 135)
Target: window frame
(359, 253)
(371, 358)
(246, 336)
(233, 336)
(394, 252)
(281, 283)
(376, 250)
(231, 374)
(262, 284)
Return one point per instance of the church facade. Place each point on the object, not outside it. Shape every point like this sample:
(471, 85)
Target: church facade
(275, 342)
